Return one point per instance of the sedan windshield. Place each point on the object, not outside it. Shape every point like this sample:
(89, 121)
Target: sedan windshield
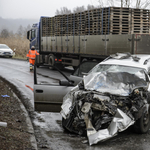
(115, 79)
(4, 47)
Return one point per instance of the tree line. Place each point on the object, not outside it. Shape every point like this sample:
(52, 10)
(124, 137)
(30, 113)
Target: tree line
(21, 32)
(140, 4)
(16, 41)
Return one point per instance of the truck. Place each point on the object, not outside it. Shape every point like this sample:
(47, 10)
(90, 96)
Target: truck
(68, 40)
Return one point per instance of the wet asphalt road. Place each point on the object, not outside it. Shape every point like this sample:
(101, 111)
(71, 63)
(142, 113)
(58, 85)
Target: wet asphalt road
(48, 129)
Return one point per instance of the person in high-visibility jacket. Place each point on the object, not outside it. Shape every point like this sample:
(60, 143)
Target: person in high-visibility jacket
(32, 55)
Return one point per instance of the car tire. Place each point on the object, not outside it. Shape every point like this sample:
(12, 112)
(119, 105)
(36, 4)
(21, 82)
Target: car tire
(63, 125)
(142, 124)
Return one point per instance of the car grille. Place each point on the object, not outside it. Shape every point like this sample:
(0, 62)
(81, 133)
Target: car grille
(6, 53)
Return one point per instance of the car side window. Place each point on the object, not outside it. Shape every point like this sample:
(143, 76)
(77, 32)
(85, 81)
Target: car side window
(85, 67)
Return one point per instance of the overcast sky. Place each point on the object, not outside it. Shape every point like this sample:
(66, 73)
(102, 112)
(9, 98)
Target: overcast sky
(33, 9)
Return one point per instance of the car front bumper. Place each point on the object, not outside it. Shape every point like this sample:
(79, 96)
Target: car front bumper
(6, 54)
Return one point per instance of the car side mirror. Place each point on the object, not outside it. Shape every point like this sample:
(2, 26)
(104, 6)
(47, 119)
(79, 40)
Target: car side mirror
(65, 83)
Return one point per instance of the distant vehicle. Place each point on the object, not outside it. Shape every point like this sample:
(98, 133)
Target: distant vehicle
(5, 51)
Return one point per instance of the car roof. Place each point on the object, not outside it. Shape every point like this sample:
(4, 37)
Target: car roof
(137, 60)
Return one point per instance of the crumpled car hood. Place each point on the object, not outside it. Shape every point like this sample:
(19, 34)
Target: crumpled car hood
(117, 83)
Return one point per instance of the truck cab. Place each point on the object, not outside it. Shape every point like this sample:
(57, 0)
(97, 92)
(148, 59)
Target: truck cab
(33, 36)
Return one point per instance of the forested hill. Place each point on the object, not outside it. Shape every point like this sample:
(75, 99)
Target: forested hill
(12, 25)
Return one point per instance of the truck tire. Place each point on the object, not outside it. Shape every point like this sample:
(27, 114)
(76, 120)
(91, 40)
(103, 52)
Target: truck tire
(51, 61)
(84, 59)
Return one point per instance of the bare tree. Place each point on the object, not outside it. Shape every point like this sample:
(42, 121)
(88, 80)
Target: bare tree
(20, 31)
(125, 3)
(90, 7)
(57, 12)
(11, 34)
(4, 33)
(78, 9)
(111, 2)
(62, 11)
(138, 2)
(100, 2)
(25, 29)
(142, 4)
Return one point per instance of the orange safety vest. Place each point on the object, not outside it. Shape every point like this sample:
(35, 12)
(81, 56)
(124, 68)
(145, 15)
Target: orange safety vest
(31, 55)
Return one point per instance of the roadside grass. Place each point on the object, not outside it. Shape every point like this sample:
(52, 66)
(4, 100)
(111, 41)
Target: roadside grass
(19, 57)
(21, 45)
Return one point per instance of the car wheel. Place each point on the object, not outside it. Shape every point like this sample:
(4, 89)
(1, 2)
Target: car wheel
(142, 124)
(63, 125)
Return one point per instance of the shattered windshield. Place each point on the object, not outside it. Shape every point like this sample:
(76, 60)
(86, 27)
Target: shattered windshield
(115, 79)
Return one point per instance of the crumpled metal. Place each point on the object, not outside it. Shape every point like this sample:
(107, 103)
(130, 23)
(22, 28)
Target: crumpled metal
(119, 123)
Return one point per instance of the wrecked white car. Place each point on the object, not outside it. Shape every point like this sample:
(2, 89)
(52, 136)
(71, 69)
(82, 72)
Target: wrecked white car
(109, 100)
(114, 96)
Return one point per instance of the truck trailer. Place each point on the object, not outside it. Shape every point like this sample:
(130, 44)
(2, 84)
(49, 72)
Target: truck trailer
(67, 40)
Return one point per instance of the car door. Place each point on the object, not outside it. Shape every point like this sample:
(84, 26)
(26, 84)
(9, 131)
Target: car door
(48, 97)
(82, 70)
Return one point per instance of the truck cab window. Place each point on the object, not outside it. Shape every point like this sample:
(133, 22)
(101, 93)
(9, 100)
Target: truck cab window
(32, 34)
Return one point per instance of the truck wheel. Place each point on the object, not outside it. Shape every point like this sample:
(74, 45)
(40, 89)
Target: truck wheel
(51, 61)
(142, 124)
(84, 59)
